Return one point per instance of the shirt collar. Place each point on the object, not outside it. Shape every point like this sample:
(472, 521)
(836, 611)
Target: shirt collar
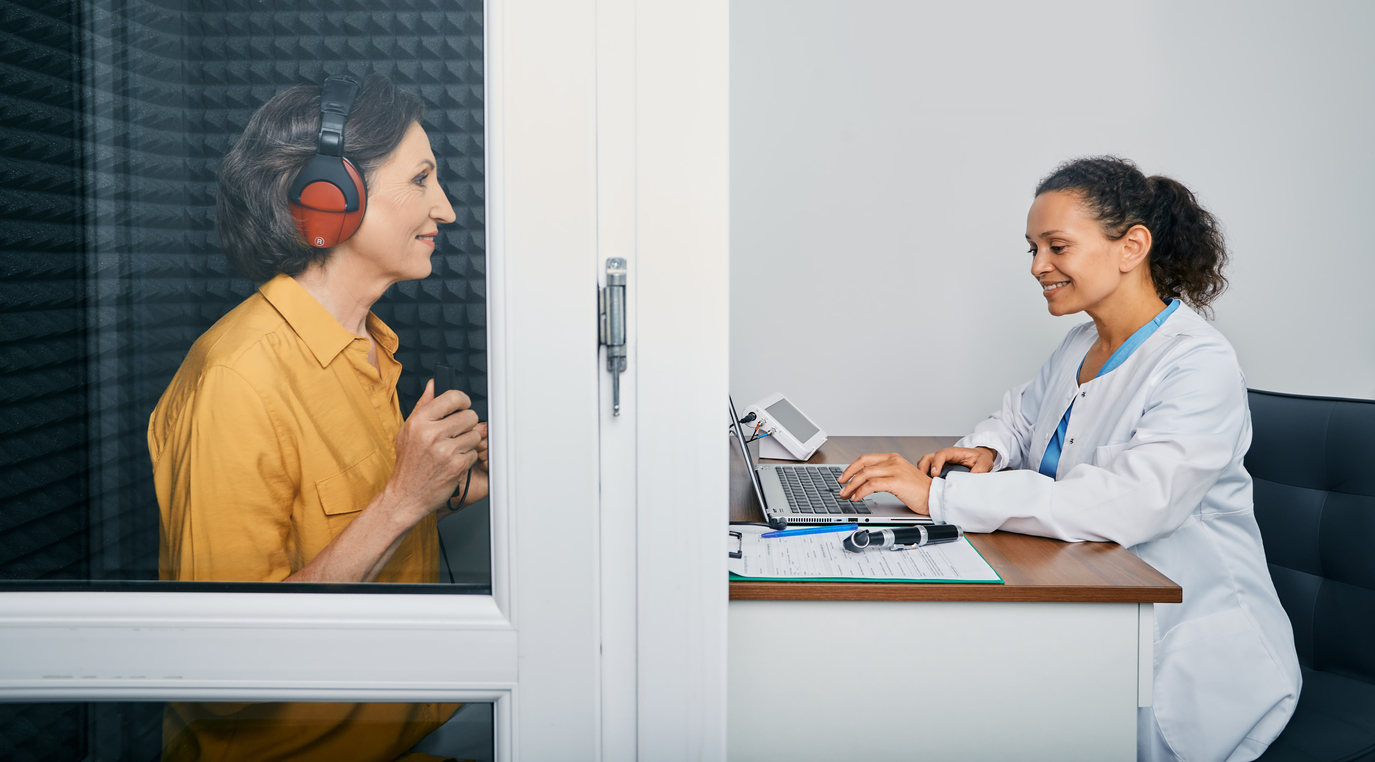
(382, 334)
(325, 337)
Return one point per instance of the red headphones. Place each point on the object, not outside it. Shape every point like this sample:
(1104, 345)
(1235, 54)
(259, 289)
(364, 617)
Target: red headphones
(328, 197)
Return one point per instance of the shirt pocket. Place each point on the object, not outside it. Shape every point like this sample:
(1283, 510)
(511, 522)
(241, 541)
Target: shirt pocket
(350, 490)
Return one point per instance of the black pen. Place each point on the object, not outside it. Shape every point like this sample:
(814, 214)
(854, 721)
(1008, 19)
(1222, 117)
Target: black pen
(910, 537)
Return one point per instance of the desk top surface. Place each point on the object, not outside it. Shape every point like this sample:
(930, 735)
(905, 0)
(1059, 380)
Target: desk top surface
(1032, 568)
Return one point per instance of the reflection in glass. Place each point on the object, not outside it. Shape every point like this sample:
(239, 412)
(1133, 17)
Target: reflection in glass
(279, 450)
(114, 118)
(56, 732)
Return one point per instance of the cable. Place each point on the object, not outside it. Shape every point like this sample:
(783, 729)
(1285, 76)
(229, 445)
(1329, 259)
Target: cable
(462, 498)
(444, 554)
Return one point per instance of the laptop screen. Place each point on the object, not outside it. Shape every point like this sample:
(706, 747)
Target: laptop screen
(745, 453)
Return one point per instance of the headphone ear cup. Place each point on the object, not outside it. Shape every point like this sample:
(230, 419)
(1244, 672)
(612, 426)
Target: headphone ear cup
(328, 200)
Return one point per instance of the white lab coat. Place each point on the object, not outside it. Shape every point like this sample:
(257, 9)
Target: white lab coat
(1152, 460)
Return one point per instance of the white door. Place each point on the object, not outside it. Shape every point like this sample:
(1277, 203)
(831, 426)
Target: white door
(604, 636)
(662, 195)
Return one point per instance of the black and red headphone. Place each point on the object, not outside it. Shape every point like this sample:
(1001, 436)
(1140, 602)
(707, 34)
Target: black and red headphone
(328, 197)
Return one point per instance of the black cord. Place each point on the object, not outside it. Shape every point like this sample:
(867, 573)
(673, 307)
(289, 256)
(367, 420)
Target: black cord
(444, 554)
(742, 421)
(462, 498)
(466, 484)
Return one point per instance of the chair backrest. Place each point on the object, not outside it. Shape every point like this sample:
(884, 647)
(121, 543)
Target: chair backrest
(1313, 462)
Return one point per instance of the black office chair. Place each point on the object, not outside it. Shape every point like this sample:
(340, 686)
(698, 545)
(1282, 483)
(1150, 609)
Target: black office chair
(1313, 462)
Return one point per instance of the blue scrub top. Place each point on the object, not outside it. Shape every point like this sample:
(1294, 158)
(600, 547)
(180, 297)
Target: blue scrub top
(1050, 463)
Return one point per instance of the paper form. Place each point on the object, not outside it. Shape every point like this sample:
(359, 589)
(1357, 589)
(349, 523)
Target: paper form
(821, 556)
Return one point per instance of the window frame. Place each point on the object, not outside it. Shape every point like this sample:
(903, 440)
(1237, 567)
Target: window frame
(634, 620)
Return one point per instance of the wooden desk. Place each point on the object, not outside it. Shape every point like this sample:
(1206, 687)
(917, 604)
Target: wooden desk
(1050, 665)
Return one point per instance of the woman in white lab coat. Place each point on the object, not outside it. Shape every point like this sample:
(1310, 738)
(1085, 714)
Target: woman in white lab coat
(1134, 432)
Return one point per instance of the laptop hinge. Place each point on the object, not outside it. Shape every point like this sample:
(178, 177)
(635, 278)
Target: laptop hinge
(611, 325)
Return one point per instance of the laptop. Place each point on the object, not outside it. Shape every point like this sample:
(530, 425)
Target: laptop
(805, 494)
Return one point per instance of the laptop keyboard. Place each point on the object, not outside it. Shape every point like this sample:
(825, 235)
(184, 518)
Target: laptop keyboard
(815, 491)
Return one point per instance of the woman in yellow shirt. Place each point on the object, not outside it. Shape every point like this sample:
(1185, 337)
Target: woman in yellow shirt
(279, 451)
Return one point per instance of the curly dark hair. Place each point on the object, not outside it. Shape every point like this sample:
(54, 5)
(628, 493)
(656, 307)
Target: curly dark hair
(1187, 251)
(255, 226)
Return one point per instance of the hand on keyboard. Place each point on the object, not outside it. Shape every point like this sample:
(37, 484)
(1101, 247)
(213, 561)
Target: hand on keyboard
(887, 472)
(815, 490)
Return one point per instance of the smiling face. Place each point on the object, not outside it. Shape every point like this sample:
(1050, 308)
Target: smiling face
(405, 208)
(1078, 267)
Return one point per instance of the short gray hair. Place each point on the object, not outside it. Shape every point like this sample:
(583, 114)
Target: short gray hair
(255, 226)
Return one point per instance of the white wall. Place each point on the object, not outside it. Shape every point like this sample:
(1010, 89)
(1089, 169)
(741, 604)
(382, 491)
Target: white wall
(883, 156)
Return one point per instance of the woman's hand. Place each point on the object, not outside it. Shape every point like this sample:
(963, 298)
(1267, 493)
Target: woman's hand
(434, 449)
(978, 459)
(482, 447)
(479, 482)
(888, 472)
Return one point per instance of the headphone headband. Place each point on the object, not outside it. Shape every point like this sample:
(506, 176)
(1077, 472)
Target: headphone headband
(336, 100)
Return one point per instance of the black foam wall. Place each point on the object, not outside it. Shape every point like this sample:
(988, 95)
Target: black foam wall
(113, 119)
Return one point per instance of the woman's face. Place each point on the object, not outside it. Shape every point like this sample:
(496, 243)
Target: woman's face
(405, 207)
(1075, 263)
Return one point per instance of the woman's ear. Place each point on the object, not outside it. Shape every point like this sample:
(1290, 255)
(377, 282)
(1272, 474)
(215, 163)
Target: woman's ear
(1136, 244)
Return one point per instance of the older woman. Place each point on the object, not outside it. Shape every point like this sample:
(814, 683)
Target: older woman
(279, 451)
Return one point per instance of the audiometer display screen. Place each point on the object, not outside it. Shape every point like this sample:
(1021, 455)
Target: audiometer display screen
(791, 419)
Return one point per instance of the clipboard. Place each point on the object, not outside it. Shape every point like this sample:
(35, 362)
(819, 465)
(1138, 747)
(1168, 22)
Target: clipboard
(821, 558)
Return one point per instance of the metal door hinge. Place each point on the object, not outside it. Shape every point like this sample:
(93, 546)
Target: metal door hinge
(611, 327)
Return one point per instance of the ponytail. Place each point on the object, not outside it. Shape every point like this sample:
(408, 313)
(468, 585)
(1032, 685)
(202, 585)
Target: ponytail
(1187, 252)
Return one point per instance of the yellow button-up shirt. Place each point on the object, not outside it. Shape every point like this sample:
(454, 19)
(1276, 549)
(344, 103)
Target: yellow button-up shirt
(273, 435)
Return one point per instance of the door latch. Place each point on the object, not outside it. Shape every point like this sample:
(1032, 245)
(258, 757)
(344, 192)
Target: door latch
(611, 328)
